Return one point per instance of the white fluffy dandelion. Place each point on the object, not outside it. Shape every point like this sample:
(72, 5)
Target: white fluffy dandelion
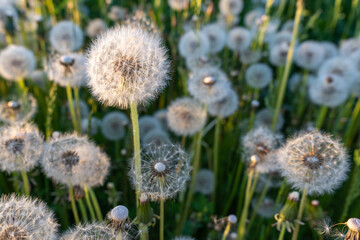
(239, 39)
(278, 54)
(127, 65)
(194, 44)
(93, 231)
(258, 75)
(349, 46)
(165, 171)
(66, 37)
(231, 7)
(18, 110)
(264, 117)
(156, 136)
(186, 116)
(250, 56)
(331, 49)
(226, 106)
(21, 147)
(216, 36)
(26, 218)
(95, 27)
(16, 62)
(314, 161)
(309, 55)
(113, 125)
(343, 67)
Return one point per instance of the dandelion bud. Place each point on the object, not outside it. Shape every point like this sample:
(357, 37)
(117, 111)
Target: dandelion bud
(294, 196)
(119, 213)
(232, 219)
(143, 198)
(288, 214)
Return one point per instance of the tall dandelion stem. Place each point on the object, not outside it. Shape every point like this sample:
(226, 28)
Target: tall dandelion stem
(26, 182)
(88, 202)
(227, 231)
(285, 77)
(96, 204)
(216, 155)
(161, 214)
(300, 214)
(82, 210)
(282, 232)
(72, 108)
(73, 205)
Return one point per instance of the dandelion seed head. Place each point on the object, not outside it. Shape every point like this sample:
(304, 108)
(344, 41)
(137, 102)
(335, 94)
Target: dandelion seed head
(93, 231)
(113, 125)
(331, 49)
(264, 117)
(288, 26)
(258, 75)
(296, 80)
(95, 124)
(178, 5)
(231, 7)
(26, 218)
(278, 54)
(117, 13)
(127, 64)
(309, 55)
(204, 182)
(156, 136)
(147, 124)
(68, 70)
(16, 62)
(95, 27)
(253, 16)
(226, 106)
(66, 37)
(216, 36)
(329, 90)
(18, 110)
(339, 66)
(161, 115)
(314, 161)
(165, 171)
(239, 39)
(186, 116)
(184, 238)
(194, 44)
(250, 56)
(280, 38)
(349, 46)
(194, 63)
(208, 85)
(267, 208)
(120, 213)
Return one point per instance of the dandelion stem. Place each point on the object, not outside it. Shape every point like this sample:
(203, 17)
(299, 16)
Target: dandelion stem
(321, 117)
(96, 204)
(285, 76)
(73, 205)
(226, 232)
(282, 232)
(50, 109)
(77, 108)
(83, 210)
(71, 107)
(216, 156)
(353, 124)
(88, 202)
(234, 188)
(299, 216)
(161, 214)
(26, 183)
(336, 14)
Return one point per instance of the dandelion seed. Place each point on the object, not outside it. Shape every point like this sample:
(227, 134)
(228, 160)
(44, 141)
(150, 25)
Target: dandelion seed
(314, 161)
(194, 44)
(26, 218)
(96, 27)
(66, 37)
(165, 171)
(204, 182)
(93, 231)
(186, 116)
(113, 125)
(225, 107)
(239, 39)
(16, 62)
(18, 110)
(258, 75)
(127, 64)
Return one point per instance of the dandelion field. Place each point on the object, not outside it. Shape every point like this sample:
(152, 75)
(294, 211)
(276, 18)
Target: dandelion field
(179, 119)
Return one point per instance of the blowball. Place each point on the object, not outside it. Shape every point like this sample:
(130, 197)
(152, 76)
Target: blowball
(66, 37)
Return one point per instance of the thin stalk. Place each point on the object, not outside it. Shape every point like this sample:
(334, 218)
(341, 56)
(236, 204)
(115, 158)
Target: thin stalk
(50, 109)
(73, 205)
(88, 203)
(265, 24)
(336, 14)
(162, 215)
(95, 204)
(234, 188)
(26, 183)
(227, 231)
(352, 127)
(299, 216)
(83, 210)
(71, 107)
(282, 232)
(285, 77)
(216, 156)
(321, 117)
(77, 107)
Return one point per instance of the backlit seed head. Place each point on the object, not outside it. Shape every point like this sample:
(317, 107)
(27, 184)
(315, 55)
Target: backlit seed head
(349, 46)
(186, 116)
(280, 38)
(314, 161)
(204, 182)
(23, 218)
(165, 171)
(258, 75)
(342, 67)
(68, 69)
(66, 37)
(216, 36)
(73, 160)
(93, 231)
(113, 125)
(194, 44)
(16, 62)
(224, 107)
(127, 64)
(21, 147)
(208, 85)
(309, 55)
(253, 16)
(239, 39)
(18, 110)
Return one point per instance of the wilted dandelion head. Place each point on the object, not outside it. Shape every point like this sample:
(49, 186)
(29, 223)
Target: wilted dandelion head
(349, 46)
(331, 49)
(93, 231)
(314, 161)
(94, 128)
(204, 182)
(216, 36)
(66, 37)
(127, 64)
(194, 44)
(26, 218)
(278, 54)
(95, 27)
(262, 142)
(21, 147)
(69, 69)
(208, 85)
(16, 62)
(156, 136)
(258, 75)
(178, 5)
(340, 66)
(113, 125)
(147, 124)
(329, 90)
(18, 110)
(165, 171)
(239, 39)
(309, 55)
(226, 106)
(186, 116)
(264, 117)
(231, 7)
(73, 160)
(250, 56)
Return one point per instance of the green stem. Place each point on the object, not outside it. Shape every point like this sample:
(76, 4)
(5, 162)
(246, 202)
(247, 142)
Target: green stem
(299, 216)
(234, 188)
(285, 77)
(88, 202)
(282, 232)
(351, 130)
(96, 205)
(50, 109)
(321, 117)
(73, 205)
(71, 107)
(226, 232)
(26, 183)
(336, 14)
(77, 107)
(216, 156)
(162, 215)
(83, 210)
